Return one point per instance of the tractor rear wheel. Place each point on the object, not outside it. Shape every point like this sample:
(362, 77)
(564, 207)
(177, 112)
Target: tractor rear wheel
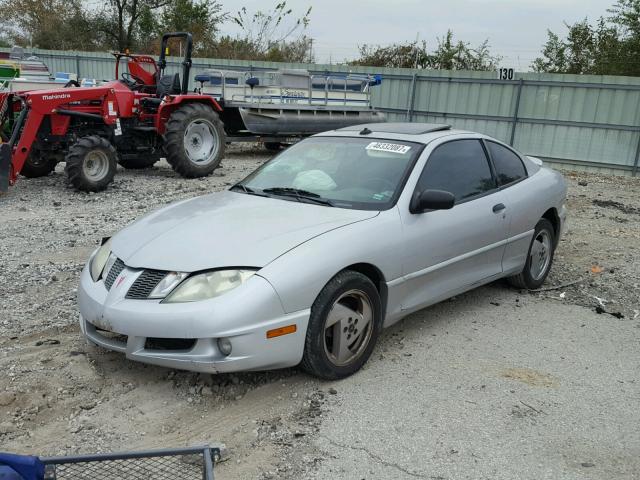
(91, 163)
(38, 164)
(194, 140)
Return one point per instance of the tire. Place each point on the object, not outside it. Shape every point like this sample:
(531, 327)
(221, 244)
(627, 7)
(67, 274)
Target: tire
(348, 292)
(38, 164)
(539, 258)
(139, 162)
(91, 164)
(273, 146)
(194, 140)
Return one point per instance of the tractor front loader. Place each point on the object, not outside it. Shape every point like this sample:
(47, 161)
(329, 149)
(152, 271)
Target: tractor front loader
(78, 125)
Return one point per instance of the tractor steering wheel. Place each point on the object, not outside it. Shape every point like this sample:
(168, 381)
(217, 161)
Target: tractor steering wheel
(131, 80)
(71, 83)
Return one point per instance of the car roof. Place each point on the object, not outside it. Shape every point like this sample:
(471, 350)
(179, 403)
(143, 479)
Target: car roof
(411, 132)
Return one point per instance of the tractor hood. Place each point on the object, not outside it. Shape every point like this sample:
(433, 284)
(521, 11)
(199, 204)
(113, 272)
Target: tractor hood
(226, 229)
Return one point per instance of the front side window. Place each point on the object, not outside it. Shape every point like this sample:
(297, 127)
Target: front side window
(460, 167)
(509, 167)
(359, 173)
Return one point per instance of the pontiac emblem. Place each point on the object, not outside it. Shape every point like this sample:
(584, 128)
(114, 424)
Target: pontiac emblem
(121, 279)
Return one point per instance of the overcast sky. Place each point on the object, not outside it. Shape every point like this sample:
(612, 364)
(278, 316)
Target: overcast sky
(516, 29)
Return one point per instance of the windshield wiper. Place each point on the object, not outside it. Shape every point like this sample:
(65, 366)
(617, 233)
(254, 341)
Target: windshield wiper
(245, 189)
(299, 194)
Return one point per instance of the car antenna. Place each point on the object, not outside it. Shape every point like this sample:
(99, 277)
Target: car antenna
(365, 131)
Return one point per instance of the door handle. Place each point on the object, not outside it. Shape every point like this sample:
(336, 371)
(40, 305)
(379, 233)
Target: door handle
(498, 208)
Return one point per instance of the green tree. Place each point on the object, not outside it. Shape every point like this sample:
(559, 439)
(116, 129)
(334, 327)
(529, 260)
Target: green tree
(554, 55)
(201, 18)
(449, 55)
(609, 47)
(397, 55)
(117, 23)
(275, 35)
(55, 24)
(452, 55)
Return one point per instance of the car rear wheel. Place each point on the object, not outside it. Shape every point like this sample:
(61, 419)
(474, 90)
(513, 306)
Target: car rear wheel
(539, 258)
(344, 326)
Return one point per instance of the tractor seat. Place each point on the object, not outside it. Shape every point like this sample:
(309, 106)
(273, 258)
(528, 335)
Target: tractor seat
(169, 85)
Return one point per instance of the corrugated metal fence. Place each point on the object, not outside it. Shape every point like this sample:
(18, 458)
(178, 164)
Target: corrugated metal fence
(586, 121)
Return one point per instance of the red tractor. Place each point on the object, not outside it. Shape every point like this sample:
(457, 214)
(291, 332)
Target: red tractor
(144, 115)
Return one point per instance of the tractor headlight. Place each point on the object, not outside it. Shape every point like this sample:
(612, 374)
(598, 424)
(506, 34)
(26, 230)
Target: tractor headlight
(208, 285)
(99, 260)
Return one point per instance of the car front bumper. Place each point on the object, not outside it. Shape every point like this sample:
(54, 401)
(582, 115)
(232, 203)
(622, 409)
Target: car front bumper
(188, 333)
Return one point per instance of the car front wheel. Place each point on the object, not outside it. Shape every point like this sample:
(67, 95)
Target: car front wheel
(539, 257)
(344, 326)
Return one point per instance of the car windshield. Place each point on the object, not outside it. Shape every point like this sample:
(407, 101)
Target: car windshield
(358, 173)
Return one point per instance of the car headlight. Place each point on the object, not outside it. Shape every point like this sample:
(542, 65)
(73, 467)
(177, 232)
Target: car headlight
(99, 260)
(208, 285)
(167, 284)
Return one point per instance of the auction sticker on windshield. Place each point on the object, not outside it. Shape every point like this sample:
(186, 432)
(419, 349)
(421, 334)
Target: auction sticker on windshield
(388, 147)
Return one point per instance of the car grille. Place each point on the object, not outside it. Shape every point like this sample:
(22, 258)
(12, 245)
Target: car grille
(152, 343)
(145, 283)
(116, 269)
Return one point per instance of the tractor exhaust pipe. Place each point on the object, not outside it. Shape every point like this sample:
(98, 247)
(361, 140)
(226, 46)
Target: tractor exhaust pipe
(5, 166)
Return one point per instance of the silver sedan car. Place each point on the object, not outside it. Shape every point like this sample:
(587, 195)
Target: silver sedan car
(306, 260)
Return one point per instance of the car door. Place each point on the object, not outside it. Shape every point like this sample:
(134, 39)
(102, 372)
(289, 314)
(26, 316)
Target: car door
(449, 251)
(521, 198)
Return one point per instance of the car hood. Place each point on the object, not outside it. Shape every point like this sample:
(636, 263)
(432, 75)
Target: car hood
(225, 229)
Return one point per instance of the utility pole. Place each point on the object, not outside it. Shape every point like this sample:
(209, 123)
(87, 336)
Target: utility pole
(310, 50)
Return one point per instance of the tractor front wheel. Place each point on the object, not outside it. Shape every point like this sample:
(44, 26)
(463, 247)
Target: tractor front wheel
(38, 164)
(194, 140)
(91, 163)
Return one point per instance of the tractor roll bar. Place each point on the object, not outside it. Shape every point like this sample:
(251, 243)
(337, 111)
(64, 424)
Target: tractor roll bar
(186, 63)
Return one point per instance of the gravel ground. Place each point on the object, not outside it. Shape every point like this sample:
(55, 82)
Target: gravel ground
(538, 385)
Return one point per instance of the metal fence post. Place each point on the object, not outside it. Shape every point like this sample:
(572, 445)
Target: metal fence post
(634, 171)
(412, 96)
(78, 66)
(515, 112)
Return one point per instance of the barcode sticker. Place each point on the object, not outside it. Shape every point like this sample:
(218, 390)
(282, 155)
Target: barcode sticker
(389, 147)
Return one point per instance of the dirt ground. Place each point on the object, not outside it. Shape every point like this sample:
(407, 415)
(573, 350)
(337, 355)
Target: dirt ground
(60, 396)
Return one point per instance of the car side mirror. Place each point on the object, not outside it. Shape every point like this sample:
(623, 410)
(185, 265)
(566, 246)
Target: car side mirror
(432, 200)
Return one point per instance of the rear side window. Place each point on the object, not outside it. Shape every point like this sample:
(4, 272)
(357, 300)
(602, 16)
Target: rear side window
(509, 167)
(460, 167)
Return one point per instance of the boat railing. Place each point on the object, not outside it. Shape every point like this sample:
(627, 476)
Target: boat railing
(328, 80)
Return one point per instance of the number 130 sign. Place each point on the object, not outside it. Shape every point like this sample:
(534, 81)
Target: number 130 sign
(505, 74)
